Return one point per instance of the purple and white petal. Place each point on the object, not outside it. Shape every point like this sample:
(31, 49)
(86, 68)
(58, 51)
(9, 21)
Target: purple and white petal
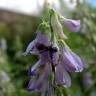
(73, 25)
(62, 77)
(40, 39)
(66, 78)
(59, 75)
(55, 58)
(43, 39)
(79, 61)
(34, 51)
(45, 57)
(39, 81)
(30, 47)
(42, 81)
(34, 68)
(71, 61)
(31, 85)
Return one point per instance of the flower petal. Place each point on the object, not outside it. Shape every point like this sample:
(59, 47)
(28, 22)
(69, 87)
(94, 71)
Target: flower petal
(43, 80)
(31, 85)
(43, 39)
(40, 81)
(45, 57)
(40, 39)
(55, 58)
(73, 25)
(62, 77)
(33, 69)
(30, 47)
(79, 61)
(71, 61)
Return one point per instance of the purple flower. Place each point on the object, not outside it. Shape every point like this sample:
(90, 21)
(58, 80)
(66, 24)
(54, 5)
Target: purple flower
(48, 54)
(41, 71)
(73, 25)
(71, 61)
(44, 59)
(41, 39)
(61, 76)
(39, 82)
(52, 67)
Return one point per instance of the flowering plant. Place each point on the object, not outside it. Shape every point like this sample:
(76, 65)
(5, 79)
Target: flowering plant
(56, 59)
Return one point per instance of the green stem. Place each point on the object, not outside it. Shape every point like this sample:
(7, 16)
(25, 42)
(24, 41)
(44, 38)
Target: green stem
(53, 68)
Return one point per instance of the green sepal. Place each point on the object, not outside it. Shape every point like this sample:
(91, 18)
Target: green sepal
(44, 28)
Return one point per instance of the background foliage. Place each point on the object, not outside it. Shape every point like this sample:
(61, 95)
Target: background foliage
(15, 36)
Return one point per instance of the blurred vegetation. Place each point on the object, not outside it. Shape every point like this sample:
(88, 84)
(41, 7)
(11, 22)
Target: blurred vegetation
(15, 36)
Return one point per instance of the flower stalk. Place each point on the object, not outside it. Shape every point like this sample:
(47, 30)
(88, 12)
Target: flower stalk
(52, 65)
(55, 62)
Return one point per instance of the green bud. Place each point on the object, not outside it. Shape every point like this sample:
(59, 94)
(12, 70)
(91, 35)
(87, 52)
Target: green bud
(56, 25)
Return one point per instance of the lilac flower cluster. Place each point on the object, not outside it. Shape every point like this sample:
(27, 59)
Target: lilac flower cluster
(53, 58)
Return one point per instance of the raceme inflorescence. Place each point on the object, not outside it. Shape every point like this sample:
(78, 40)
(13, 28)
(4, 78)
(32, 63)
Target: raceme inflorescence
(56, 59)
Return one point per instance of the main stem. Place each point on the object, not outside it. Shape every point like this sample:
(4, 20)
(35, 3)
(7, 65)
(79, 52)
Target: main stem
(52, 65)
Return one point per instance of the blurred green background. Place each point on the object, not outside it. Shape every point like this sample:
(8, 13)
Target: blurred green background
(17, 30)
